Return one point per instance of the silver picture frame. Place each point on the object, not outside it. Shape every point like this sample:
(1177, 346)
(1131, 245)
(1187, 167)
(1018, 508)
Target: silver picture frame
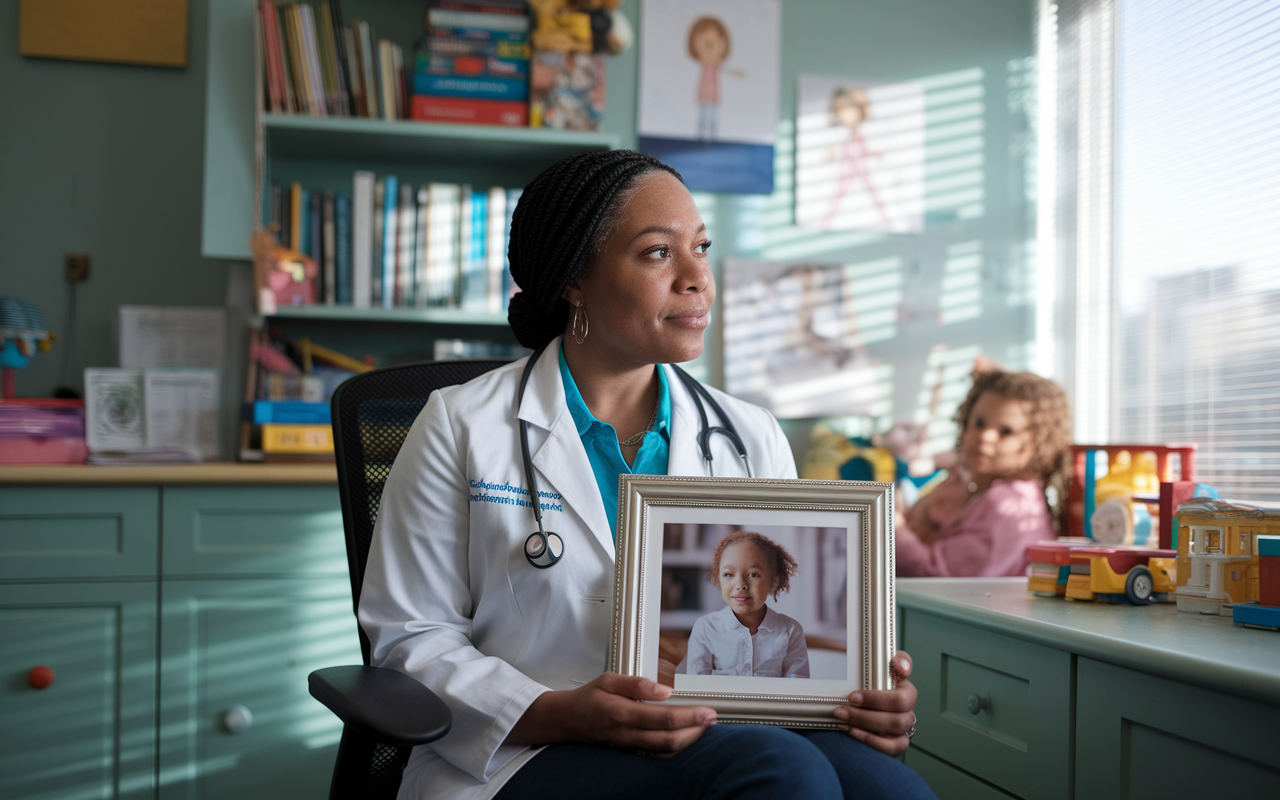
(649, 504)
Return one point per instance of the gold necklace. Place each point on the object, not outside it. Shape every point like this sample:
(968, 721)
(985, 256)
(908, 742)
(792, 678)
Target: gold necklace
(639, 437)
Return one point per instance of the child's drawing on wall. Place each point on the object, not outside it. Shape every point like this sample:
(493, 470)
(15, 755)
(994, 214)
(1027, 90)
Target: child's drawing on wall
(708, 102)
(709, 45)
(859, 155)
(849, 109)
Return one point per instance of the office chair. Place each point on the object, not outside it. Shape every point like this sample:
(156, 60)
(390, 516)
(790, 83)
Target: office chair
(384, 713)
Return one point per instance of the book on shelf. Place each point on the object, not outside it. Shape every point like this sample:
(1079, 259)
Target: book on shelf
(315, 64)
(388, 243)
(473, 63)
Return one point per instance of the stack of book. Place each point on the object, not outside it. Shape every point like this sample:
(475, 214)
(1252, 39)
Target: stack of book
(390, 244)
(287, 392)
(473, 63)
(318, 67)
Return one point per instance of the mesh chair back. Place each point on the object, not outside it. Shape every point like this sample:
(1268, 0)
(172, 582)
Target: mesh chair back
(372, 413)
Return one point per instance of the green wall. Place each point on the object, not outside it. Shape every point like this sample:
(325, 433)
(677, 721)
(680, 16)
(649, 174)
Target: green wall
(104, 159)
(108, 159)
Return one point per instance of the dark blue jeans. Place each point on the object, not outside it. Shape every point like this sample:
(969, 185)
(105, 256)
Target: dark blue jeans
(751, 762)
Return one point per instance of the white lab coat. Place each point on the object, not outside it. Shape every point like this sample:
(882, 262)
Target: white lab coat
(448, 596)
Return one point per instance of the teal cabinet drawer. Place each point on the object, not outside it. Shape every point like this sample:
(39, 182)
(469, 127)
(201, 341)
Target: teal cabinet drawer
(1140, 736)
(64, 532)
(253, 530)
(91, 732)
(950, 783)
(994, 706)
(250, 644)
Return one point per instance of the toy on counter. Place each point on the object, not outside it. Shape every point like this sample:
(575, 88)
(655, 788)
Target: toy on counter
(1140, 575)
(22, 335)
(1133, 478)
(1218, 554)
(1051, 565)
(1266, 612)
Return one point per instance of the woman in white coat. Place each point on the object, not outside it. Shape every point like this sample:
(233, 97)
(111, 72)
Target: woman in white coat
(518, 653)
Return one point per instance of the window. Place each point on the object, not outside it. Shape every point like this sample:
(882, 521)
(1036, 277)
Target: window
(1168, 247)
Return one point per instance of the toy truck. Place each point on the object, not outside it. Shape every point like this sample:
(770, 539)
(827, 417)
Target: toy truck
(1141, 575)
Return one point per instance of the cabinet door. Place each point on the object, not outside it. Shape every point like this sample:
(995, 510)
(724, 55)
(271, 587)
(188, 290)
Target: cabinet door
(949, 783)
(49, 532)
(233, 645)
(253, 530)
(91, 732)
(1139, 736)
(993, 705)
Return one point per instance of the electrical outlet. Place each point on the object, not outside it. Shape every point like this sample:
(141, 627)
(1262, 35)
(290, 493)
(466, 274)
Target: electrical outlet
(77, 267)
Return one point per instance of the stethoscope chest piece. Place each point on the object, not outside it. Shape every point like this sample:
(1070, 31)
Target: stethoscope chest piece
(543, 550)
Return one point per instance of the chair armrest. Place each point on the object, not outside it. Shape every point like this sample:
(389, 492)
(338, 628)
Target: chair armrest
(382, 704)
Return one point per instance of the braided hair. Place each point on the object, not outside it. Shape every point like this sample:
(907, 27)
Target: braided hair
(558, 228)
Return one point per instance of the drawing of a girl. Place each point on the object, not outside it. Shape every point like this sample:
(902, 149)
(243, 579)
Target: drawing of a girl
(850, 108)
(709, 46)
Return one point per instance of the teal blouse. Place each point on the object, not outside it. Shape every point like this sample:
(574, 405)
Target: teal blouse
(601, 443)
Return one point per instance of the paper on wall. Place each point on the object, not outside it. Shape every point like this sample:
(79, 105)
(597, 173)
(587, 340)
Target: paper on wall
(172, 336)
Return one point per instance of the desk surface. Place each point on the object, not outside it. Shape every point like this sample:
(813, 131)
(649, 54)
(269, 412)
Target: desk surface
(1206, 651)
(167, 475)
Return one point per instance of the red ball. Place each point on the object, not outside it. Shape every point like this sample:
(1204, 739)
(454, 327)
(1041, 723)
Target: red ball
(40, 677)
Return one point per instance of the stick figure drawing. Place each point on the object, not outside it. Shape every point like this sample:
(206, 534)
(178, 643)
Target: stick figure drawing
(709, 45)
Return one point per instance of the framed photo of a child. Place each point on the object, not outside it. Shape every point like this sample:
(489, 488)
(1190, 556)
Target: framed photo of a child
(769, 600)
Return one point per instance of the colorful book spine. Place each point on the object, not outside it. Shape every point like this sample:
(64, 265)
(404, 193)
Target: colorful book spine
(506, 23)
(297, 439)
(495, 248)
(342, 221)
(431, 108)
(329, 255)
(362, 239)
(291, 412)
(406, 233)
(390, 241)
(468, 86)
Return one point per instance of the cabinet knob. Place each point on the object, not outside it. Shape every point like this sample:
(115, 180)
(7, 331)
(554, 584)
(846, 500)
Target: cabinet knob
(977, 702)
(236, 719)
(40, 677)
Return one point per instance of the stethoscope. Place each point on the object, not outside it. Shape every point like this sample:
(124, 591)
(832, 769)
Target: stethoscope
(545, 548)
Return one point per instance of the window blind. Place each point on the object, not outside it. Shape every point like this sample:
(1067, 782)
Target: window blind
(1196, 343)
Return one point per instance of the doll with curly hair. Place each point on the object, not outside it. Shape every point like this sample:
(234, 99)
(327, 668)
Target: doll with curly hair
(1013, 445)
(746, 637)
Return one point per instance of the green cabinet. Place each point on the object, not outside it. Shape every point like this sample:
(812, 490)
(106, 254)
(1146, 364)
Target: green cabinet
(90, 733)
(1032, 697)
(235, 717)
(998, 705)
(180, 624)
(1141, 736)
(54, 532)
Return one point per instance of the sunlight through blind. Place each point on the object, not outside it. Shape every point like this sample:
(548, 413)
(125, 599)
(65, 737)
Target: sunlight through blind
(1198, 236)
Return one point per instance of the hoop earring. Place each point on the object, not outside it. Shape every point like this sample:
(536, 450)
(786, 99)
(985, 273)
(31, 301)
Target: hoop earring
(573, 327)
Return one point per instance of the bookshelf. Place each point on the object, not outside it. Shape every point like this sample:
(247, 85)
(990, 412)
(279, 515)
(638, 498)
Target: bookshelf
(347, 138)
(322, 152)
(435, 316)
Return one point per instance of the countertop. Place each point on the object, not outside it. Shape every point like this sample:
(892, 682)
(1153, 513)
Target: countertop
(1208, 651)
(224, 473)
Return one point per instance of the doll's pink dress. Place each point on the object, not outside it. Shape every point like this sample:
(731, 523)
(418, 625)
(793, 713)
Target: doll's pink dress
(988, 537)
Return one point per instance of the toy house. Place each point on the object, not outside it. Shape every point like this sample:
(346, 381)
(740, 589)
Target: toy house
(1218, 558)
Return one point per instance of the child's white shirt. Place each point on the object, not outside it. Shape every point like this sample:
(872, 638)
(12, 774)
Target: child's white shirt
(721, 645)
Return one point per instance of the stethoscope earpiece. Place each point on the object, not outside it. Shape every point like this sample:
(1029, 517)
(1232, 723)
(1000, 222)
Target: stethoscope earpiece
(543, 550)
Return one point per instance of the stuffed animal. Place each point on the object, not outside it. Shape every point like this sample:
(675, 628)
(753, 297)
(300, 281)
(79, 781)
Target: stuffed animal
(559, 27)
(610, 30)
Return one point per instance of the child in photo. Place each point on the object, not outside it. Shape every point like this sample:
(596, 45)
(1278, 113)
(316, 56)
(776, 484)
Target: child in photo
(746, 637)
(1014, 443)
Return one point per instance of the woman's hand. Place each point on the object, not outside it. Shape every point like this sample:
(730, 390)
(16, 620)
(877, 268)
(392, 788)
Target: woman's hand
(605, 712)
(882, 719)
